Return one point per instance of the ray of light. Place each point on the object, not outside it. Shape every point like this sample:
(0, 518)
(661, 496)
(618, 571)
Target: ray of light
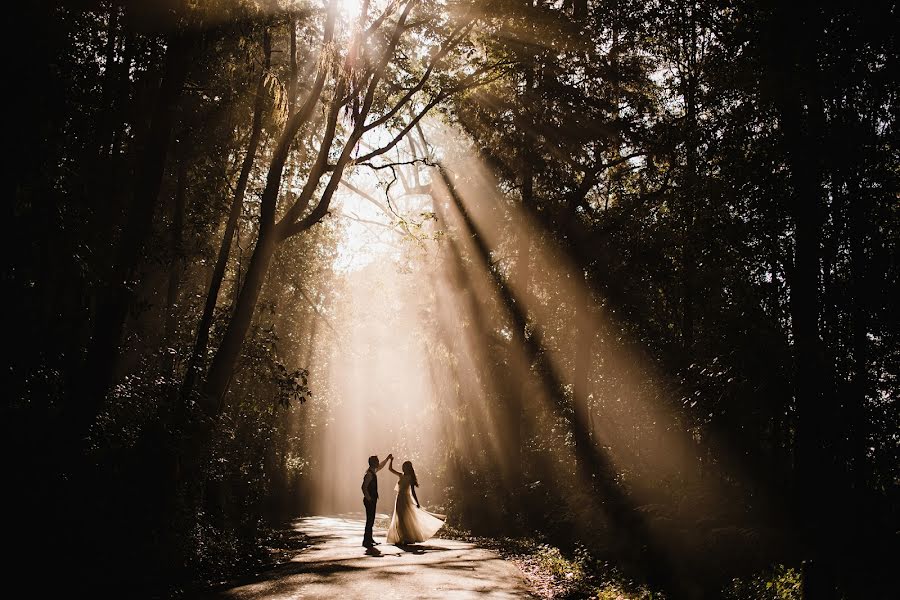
(442, 370)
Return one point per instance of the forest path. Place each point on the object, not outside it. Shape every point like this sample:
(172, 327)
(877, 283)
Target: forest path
(337, 566)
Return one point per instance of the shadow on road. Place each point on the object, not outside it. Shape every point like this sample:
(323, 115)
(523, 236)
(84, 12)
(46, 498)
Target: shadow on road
(335, 566)
(421, 548)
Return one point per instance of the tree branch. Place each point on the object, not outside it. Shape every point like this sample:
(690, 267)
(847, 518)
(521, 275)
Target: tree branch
(591, 177)
(366, 196)
(293, 125)
(378, 73)
(431, 104)
(403, 163)
(451, 42)
(319, 167)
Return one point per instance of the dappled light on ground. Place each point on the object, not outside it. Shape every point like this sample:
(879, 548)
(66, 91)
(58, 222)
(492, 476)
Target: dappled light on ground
(338, 567)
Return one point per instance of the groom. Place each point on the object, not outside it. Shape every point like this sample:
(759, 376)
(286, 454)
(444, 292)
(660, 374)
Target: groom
(370, 496)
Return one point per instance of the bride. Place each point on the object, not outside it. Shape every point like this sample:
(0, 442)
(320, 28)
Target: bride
(410, 523)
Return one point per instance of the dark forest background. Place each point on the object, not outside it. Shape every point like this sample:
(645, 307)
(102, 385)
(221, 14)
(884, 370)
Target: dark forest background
(724, 174)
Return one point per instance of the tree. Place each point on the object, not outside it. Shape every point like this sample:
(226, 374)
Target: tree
(356, 87)
(237, 203)
(115, 301)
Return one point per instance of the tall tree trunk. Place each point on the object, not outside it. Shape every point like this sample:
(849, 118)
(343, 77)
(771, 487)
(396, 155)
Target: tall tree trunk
(177, 266)
(584, 337)
(115, 302)
(120, 100)
(110, 74)
(197, 444)
(521, 276)
(801, 116)
(579, 9)
(859, 324)
(691, 191)
(226, 356)
(292, 81)
(522, 366)
(202, 341)
(229, 350)
(293, 221)
(858, 530)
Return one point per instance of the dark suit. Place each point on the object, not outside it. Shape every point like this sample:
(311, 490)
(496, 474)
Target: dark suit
(372, 488)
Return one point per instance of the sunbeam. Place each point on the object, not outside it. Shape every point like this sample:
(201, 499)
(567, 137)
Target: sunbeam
(426, 298)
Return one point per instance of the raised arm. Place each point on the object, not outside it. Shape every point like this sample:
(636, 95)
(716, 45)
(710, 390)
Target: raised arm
(384, 462)
(391, 467)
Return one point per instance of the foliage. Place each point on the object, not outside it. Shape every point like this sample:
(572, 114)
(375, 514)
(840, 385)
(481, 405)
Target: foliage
(781, 583)
(651, 143)
(715, 184)
(292, 386)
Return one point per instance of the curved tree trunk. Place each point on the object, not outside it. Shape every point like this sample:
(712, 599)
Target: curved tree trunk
(228, 352)
(202, 341)
(293, 221)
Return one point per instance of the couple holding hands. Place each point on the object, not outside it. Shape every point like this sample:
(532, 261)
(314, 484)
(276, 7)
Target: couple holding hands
(410, 523)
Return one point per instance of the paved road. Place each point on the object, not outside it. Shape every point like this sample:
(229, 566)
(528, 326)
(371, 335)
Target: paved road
(337, 566)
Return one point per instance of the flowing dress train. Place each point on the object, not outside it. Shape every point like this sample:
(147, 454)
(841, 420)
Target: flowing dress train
(410, 523)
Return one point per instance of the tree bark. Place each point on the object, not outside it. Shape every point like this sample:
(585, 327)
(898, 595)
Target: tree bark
(521, 364)
(115, 302)
(581, 10)
(800, 112)
(177, 265)
(202, 340)
(691, 191)
(226, 356)
(292, 81)
(293, 221)
(522, 277)
(229, 350)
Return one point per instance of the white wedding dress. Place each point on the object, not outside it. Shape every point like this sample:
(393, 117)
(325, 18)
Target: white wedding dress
(411, 523)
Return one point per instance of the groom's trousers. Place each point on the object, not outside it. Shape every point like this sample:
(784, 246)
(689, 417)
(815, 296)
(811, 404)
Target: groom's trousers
(370, 520)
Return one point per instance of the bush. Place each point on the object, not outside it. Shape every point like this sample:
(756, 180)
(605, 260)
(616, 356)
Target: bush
(779, 583)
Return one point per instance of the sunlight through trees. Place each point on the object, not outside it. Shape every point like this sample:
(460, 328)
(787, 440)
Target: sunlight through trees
(617, 276)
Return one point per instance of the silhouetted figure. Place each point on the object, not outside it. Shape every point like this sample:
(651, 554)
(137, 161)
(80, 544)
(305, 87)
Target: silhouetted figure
(370, 496)
(410, 523)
